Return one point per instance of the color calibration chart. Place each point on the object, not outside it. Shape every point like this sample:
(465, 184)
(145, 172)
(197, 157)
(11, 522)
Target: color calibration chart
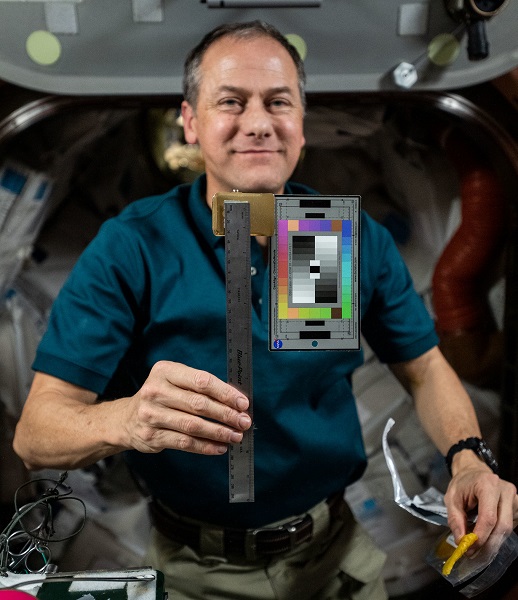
(315, 269)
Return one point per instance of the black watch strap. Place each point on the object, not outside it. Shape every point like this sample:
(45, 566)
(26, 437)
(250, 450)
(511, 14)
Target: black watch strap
(479, 447)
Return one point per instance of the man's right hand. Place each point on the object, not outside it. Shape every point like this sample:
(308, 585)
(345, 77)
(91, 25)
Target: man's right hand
(185, 409)
(63, 426)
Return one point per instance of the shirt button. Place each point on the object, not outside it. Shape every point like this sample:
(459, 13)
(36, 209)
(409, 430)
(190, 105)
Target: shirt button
(253, 271)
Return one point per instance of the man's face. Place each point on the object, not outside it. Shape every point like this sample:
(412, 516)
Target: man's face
(248, 119)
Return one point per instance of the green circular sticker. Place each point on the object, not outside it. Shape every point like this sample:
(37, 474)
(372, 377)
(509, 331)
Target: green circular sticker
(43, 47)
(443, 49)
(299, 44)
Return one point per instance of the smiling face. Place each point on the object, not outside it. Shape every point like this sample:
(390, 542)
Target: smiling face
(248, 117)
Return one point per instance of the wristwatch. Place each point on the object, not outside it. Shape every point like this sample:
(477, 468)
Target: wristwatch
(479, 447)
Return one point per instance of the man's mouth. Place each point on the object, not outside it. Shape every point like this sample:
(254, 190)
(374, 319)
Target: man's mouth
(257, 151)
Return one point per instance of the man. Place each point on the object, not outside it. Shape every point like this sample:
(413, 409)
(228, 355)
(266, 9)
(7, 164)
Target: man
(141, 321)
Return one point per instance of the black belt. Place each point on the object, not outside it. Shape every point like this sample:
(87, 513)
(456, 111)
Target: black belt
(262, 541)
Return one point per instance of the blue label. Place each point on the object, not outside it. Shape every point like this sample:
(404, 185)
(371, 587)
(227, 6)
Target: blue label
(13, 180)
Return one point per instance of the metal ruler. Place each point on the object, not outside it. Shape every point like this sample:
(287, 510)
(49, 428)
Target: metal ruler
(239, 341)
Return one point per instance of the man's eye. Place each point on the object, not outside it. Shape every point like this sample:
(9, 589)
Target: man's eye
(230, 102)
(279, 103)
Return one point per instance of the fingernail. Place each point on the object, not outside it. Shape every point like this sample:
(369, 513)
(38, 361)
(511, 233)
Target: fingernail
(244, 421)
(235, 436)
(242, 403)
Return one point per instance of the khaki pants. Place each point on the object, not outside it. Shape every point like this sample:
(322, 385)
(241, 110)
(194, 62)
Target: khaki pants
(340, 562)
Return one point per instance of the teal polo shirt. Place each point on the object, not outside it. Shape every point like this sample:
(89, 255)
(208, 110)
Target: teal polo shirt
(151, 286)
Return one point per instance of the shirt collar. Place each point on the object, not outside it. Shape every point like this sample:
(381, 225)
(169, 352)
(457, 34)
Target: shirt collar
(202, 214)
(200, 211)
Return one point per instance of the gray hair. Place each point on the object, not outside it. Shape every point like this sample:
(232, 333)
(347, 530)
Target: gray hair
(251, 29)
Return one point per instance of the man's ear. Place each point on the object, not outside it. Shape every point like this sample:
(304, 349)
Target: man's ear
(189, 123)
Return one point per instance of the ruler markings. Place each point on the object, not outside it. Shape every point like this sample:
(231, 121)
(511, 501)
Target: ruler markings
(239, 340)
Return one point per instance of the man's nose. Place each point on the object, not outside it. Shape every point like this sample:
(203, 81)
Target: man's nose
(256, 120)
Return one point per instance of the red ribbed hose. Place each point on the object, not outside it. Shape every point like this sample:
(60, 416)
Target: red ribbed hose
(469, 338)
(459, 281)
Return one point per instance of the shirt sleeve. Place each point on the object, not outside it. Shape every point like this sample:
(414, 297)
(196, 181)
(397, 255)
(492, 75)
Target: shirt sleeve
(395, 321)
(96, 312)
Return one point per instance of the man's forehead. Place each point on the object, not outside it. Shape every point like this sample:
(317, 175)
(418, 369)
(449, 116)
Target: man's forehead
(233, 54)
(267, 64)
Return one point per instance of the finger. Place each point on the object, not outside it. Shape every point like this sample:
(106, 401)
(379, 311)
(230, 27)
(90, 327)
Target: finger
(187, 412)
(204, 383)
(192, 403)
(506, 508)
(199, 404)
(175, 440)
(159, 391)
(494, 509)
(178, 430)
(457, 522)
(457, 519)
(196, 427)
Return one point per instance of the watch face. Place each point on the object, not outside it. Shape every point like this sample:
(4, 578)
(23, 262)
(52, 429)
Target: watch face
(478, 446)
(487, 456)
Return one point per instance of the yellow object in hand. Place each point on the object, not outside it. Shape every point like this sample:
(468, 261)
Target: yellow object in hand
(466, 542)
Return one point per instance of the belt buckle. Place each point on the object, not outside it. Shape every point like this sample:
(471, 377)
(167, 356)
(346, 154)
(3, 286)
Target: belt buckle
(251, 537)
(291, 528)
